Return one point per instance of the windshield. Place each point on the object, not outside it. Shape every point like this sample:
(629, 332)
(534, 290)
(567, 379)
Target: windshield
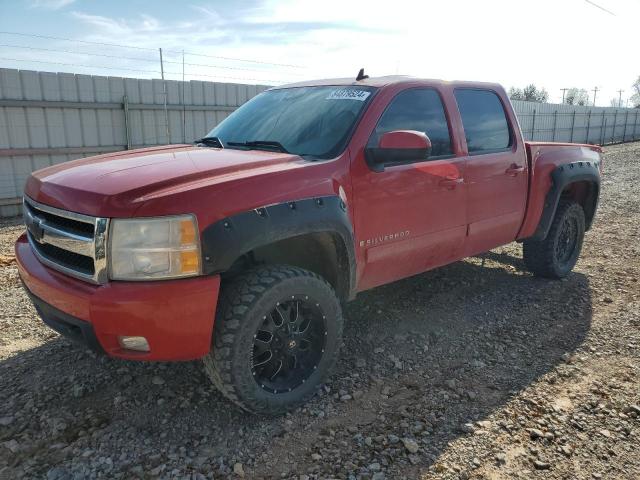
(313, 121)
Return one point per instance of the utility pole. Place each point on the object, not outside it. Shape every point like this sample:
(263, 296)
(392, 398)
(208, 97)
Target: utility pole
(595, 91)
(564, 90)
(184, 111)
(164, 91)
(620, 98)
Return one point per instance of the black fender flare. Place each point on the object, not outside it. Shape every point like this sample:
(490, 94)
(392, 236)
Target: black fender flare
(226, 240)
(561, 177)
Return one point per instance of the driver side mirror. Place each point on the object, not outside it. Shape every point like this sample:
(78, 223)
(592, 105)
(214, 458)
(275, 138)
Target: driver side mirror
(398, 146)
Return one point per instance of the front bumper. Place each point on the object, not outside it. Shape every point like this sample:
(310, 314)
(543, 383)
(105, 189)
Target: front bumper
(175, 316)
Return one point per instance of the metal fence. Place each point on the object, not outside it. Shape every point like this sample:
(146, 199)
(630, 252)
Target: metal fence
(573, 123)
(48, 118)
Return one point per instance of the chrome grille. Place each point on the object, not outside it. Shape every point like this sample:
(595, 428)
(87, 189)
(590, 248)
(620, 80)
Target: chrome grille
(70, 242)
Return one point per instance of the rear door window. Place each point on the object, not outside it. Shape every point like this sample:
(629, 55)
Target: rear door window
(484, 120)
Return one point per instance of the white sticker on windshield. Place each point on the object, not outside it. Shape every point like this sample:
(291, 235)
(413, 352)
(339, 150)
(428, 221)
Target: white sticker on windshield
(348, 94)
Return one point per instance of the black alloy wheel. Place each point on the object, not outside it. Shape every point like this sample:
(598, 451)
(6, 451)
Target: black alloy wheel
(288, 345)
(277, 335)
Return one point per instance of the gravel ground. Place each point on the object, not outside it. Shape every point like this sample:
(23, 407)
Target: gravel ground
(475, 370)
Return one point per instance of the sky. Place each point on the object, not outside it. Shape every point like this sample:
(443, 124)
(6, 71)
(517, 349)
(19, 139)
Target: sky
(554, 44)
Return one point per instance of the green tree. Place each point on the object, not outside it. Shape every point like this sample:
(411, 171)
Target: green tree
(635, 98)
(576, 96)
(516, 94)
(530, 93)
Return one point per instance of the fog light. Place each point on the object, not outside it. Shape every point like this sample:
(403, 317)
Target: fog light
(139, 344)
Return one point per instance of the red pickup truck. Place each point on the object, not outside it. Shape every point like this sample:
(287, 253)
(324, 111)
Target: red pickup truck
(240, 248)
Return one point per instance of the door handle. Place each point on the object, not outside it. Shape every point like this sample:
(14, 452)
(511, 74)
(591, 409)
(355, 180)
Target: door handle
(451, 183)
(514, 170)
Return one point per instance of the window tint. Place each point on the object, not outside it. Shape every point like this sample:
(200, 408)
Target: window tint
(485, 124)
(417, 109)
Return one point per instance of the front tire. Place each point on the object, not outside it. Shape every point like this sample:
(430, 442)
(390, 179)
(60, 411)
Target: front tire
(277, 335)
(557, 254)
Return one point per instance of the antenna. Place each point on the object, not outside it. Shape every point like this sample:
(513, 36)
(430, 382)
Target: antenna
(361, 75)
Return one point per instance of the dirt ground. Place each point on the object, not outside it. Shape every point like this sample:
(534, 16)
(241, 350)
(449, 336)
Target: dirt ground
(476, 370)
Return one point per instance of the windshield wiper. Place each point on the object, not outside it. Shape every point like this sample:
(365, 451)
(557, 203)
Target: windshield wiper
(260, 143)
(210, 142)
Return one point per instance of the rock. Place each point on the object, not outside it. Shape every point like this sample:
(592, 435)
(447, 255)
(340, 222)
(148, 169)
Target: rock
(374, 467)
(345, 398)
(484, 424)
(361, 363)
(393, 439)
(501, 458)
(467, 428)
(158, 470)
(540, 465)
(411, 445)
(566, 450)
(535, 433)
(77, 391)
(137, 470)
(238, 469)
(316, 456)
(157, 380)
(58, 473)
(6, 421)
(451, 383)
(378, 476)
(12, 445)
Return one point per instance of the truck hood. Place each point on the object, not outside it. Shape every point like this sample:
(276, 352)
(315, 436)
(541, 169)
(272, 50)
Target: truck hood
(122, 180)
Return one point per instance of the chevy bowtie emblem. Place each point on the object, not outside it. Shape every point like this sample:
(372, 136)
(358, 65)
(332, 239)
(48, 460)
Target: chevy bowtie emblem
(34, 226)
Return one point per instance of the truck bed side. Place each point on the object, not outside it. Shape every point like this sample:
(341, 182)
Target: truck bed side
(557, 169)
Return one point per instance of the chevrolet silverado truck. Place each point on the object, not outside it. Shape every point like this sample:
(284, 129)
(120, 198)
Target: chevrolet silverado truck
(241, 248)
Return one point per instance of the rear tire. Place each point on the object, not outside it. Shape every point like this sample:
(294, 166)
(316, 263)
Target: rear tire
(277, 336)
(557, 254)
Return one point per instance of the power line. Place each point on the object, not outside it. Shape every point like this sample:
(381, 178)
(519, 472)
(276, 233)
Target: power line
(143, 71)
(137, 59)
(47, 37)
(601, 8)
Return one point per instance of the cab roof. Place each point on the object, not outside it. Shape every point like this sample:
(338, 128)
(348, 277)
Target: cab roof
(378, 82)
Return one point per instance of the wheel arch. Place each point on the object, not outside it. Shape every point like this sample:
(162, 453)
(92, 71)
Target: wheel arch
(579, 181)
(314, 234)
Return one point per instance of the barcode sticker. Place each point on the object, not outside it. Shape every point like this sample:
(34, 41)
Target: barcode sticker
(349, 94)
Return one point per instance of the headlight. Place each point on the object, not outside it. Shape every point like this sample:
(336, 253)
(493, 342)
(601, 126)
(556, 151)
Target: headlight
(154, 248)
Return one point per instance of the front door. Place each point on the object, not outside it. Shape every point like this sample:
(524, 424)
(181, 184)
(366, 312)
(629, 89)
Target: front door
(410, 217)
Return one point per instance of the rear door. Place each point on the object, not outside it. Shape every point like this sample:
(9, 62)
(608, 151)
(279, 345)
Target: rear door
(410, 217)
(496, 170)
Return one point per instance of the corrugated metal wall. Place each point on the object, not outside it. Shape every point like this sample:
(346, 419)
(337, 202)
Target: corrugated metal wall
(48, 118)
(569, 123)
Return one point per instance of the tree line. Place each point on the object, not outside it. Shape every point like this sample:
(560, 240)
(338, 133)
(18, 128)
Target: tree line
(572, 96)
